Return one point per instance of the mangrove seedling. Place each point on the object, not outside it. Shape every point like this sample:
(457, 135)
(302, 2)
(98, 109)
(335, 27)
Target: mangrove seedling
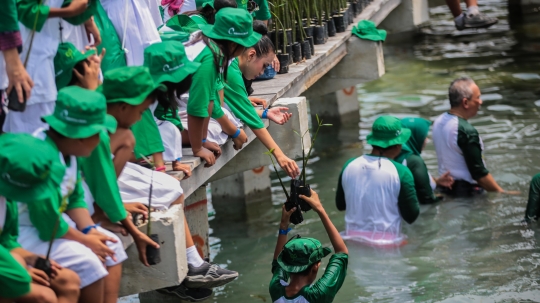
(152, 254)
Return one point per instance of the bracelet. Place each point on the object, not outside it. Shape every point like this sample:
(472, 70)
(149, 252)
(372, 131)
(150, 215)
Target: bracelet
(236, 134)
(87, 229)
(179, 159)
(265, 114)
(284, 231)
(204, 140)
(161, 168)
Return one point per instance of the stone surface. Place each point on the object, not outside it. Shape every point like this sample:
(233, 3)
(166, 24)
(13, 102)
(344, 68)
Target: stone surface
(339, 107)
(406, 17)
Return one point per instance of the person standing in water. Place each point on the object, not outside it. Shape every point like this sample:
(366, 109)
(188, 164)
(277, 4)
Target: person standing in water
(424, 183)
(376, 191)
(457, 143)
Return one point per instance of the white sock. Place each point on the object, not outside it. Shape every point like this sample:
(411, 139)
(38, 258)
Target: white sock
(472, 10)
(193, 257)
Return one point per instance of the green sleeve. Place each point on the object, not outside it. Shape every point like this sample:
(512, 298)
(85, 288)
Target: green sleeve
(264, 11)
(242, 4)
(116, 56)
(217, 111)
(14, 278)
(168, 115)
(275, 288)
(326, 288)
(203, 87)
(147, 137)
(10, 232)
(8, 15)
(469, 142)
(533, 204)
(100, 176)
(44, 214)
(421, 177)
(408, 205)
(30, 11)
(76, 199)
(340, 194)
(236, 98)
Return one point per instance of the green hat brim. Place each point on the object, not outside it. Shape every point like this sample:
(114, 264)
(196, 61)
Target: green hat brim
(135, 100)
(74, 131)
(208, 30)
(63, 81)
(384, 143)
(38, 192)
(300, 268)
(179, 74)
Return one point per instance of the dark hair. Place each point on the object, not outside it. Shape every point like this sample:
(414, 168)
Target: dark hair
(265, 45)
(174, 90)
(80, 68)
(209, 13)
(384, 150)
(306, 271)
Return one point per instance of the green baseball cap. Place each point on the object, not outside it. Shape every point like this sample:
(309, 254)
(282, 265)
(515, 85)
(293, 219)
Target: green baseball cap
(298, 254)
(80, 113)
(167, 62)
(30, 168)
(202, 3)
(130, 84)
(387, 131)
(233, 24)
(91, 9)
(65, 60)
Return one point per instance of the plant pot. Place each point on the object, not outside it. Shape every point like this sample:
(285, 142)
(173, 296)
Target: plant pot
(296, 52)
(309, 31)
(318, 35)
(283, 63)
(289, 51)
(354, 7)
(325, 31)
(272, 36)
(311, 45)
(331, 28)
(339, 22)
(44, 265)
(350, 14)
(152, 254)
(359, 7)
(296, 217)
(299, 188)
(306, 49)
(288, 33)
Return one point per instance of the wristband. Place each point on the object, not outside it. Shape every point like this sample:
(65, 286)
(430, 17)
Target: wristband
(179, 159)
(87, 229)
(236, 134)
(204, 140)
(161, 168)
(284, 231)
(265, 114)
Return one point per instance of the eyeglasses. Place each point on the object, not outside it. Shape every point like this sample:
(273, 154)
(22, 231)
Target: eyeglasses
(252, 6)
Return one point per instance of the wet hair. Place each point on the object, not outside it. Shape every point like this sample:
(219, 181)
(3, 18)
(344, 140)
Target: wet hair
(209, 13)
(265, 45)
(459, 89)
(174, 90)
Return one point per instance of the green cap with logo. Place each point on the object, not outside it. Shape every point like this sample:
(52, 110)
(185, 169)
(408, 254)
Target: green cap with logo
(233, 24)
(30, 168)
(65, 60)
(202, 3)
(80, 113)
(299, 254)
(167, 62)
(387, 131)
(130, 84)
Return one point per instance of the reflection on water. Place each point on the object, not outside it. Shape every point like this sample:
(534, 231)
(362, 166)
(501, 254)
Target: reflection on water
(460, 250)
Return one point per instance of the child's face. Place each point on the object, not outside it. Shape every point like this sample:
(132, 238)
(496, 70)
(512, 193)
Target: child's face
(130, 114)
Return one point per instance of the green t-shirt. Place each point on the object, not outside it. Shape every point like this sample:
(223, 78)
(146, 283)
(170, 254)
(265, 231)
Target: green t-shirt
(468, 141)
(262, 14)
(168, 115)
(14, 278)
(147, 137)
(533, 204)
(203, 88)
(10, 231)
(27, 10)
(8, 15)
(322, 291)
(421, 179)
(100, 176)
(236, 98)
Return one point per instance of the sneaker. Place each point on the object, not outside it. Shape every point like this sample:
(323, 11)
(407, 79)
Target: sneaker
(187, 294)
(208, 275)
(475, 21)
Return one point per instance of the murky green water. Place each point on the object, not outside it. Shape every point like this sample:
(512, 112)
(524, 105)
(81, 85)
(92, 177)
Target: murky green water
(460, 250)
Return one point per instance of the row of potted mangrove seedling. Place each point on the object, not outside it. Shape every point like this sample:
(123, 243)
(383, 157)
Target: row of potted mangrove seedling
(299, 25)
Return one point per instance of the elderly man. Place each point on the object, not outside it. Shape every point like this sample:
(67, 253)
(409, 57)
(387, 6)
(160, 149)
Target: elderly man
(458, 145)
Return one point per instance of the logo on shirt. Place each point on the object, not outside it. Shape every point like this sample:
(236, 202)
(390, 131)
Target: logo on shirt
(167, 68)
(7, 177)
(232, 31)
(65, 115)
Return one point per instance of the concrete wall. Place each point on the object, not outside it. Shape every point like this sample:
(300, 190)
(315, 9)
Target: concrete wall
(406, 16)
(196, 211)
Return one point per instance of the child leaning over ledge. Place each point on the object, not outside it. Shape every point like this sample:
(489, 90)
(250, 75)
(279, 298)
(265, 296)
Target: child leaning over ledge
(297, 262)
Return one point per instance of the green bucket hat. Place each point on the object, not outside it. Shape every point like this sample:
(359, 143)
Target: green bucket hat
(174, 36)
(387, 131)
(167, 62)
(299, 254)
(233, 24)
(91, 10)
(367, 30)
(30, 169)
(131, 85)
(80, 113)
(65, 60)
(202, 3)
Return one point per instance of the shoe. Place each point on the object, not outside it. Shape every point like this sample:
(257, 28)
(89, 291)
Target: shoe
(187, 294)
(475, 21)
(208, 275)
